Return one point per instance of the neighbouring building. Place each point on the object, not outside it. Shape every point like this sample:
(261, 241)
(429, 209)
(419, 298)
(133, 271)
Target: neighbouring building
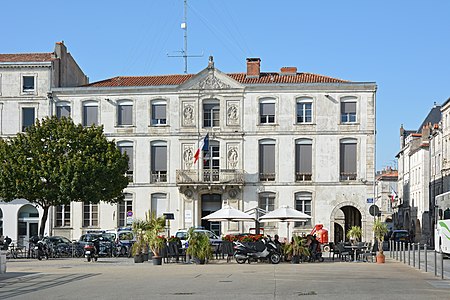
(275, 138)
(412, 208)
(385, 195)
(26, 82)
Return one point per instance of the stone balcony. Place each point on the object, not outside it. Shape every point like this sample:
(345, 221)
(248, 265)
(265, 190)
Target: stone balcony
(210, 177)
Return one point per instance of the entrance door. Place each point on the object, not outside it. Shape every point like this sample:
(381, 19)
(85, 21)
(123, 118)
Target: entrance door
(27, 224)
(210, 204)
(344, 219)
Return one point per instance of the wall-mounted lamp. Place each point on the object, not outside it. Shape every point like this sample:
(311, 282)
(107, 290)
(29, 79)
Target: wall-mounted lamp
(326, 95)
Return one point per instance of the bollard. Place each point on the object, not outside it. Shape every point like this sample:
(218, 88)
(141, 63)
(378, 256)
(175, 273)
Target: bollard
(401, 249)
(390, 249)
(2, 262)
(396, 250)
(442, 265)
(418, 250)
(435, 263)
(426, 258)
(409, 254)
(404, 252)
(414, 254)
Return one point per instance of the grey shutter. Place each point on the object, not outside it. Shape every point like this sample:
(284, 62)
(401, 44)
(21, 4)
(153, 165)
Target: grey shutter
(159, 158)
(90, 115)
(62, 111)
(348, 107)
(348, 158)
(267, 109)
(159, 111)
(267, 158)
(129, 151)
(304, 158)
(125, 115)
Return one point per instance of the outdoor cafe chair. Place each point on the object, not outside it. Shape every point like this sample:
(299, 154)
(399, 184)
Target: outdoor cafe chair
(227, 250)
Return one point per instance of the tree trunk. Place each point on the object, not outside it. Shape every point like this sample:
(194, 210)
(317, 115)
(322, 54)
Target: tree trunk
(43, 221)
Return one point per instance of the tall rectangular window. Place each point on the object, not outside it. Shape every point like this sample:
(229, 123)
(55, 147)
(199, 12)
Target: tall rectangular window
(159, 114)
(159, 163)
(348, 160)
(211, 114)
(304, 111)
(90, 215)
(211, 162)
(303, 160)
(124, 207)
(267, 112)
(90, 113)
(266, 162)
(28, 117)
(28, 84)
(127, 147)
(125, 113)
(62, 215)
(62, 110)
(348, 112)
(266, 201)
(303, 202)
(159, 204)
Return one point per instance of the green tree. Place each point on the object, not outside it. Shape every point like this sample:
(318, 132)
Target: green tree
(56, 161)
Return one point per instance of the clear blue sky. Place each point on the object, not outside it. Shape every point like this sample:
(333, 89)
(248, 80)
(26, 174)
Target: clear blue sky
(402, 45)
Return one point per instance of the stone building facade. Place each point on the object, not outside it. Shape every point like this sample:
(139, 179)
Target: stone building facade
(275, 138)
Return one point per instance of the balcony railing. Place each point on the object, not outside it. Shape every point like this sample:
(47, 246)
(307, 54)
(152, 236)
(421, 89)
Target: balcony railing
(347, 176)
(210, 176)
(159, 176)
(303, 176)
(266, 176)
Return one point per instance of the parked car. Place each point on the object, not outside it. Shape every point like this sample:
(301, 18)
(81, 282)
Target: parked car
(105, 244)
(123, 238)
(400, 235)
(213, 238)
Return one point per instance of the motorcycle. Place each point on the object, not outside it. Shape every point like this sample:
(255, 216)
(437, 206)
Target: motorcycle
(264, 249)
(90, 250)
(41, 250)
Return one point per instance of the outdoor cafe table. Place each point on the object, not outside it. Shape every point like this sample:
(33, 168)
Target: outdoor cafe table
(354, 249)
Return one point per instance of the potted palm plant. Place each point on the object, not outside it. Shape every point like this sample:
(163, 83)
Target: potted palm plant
(199, 246)
(380, 229)
(299, 249)
(139, 228)
(153, 236)
(354, 234)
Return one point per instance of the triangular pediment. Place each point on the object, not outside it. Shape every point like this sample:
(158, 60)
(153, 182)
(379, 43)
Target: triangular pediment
(211, 79)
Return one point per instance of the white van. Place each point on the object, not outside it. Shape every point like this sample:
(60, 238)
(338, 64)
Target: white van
(213, 238)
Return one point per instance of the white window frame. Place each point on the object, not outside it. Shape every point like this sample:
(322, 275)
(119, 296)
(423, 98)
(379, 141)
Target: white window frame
(156, 198)
(94, 217)
(89, 103)
(32, 91)
(301, 102)
(267, 118)
(348, 116)
(304, 196)
(63, 104)
(120, 145)
(62, 215)
(158, 176)
(119, 119)
(157, 122)
(22, 126)
(214, 113)
(126, 205)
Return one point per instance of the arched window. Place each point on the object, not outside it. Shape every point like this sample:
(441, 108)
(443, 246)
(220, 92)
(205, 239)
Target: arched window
(267, 111)
(124, 112)
(304, 110)
(303, 160)
(90, 113)
(348, 159)
(127, 147)
(159, 161)
(159, 115)
(267, 160)
(63, 109)
(159, 204)
(348, 110)
(303, 203)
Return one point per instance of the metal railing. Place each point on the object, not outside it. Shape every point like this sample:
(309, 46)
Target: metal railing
(303, 176)
(417, 256)
(222, 176)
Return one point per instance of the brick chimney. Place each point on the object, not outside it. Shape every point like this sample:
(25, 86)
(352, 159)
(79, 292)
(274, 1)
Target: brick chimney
(288, 71)
(253, 67)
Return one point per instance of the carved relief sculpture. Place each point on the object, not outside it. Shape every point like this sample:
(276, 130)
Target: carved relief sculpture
(232, 114)
(188, 114)
(233, 157)
(211, 83)
(187, 157)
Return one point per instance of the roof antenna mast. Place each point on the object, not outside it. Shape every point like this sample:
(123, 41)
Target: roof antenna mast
(184, 52)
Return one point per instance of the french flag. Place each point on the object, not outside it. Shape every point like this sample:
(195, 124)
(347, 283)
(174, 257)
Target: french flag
(203, 146)
(393, 195)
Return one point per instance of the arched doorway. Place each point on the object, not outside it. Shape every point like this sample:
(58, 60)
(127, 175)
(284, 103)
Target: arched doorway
(342, 219)
(211, 203)
(27, 224)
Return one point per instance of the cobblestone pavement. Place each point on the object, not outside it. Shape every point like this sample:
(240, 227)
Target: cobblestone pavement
(121, 278)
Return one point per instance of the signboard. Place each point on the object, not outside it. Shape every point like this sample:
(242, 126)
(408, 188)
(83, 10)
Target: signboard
(369, 200)
(188, 216)
(129, 220)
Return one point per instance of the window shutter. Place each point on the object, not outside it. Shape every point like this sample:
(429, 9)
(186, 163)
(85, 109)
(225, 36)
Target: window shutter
(159, 158)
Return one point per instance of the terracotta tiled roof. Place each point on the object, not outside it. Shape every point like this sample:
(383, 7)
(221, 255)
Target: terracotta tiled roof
(26, 57)
(240, 77)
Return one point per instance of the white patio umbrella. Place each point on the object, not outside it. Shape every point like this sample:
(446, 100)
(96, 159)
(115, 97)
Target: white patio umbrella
(284, 214)
(228, 213)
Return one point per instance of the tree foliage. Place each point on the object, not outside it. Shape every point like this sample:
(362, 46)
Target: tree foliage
(56, 162)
